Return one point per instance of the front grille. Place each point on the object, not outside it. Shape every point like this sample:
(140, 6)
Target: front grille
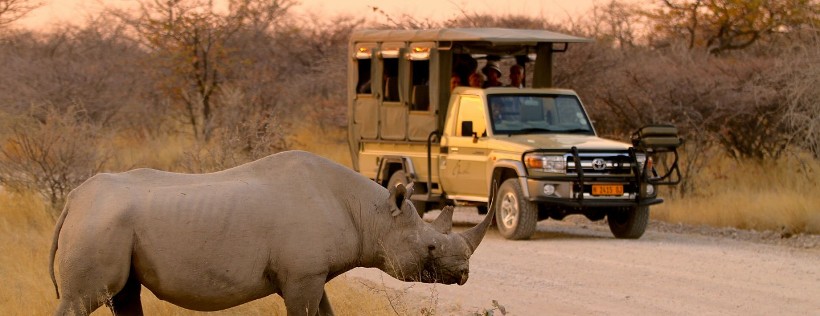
(601, 164)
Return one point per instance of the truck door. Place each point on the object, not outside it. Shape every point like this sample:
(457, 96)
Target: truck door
(464, 172)
(367, 93)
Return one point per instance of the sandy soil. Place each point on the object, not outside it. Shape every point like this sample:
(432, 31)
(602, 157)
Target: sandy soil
(576, 267)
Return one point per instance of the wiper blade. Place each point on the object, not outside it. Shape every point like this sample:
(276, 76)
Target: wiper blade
(535, 129)
(576, 130)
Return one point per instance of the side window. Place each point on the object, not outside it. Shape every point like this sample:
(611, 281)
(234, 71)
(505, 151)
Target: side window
(420, 89)
(364, 85)
(471, 109)
(391, 80)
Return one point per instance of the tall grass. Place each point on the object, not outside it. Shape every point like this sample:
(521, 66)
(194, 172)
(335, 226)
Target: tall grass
(772, 195)
(25, 239)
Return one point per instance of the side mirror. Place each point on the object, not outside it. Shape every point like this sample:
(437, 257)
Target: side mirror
(466, 128)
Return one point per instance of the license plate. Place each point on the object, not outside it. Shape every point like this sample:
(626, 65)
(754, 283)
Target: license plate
(607, 189)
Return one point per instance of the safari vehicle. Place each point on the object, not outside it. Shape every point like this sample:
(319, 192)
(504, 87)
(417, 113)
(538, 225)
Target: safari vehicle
(532, 151)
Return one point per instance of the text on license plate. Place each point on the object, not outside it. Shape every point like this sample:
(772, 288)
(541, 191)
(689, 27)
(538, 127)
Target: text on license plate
(607, 189)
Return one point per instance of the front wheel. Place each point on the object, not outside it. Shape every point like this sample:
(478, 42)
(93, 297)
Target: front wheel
(400, 177)
(516, 217)
(628, 223)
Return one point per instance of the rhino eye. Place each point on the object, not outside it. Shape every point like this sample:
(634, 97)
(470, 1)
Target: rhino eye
(431, 247)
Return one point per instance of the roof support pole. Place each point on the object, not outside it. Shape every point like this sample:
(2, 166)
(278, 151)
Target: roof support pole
(542, 77)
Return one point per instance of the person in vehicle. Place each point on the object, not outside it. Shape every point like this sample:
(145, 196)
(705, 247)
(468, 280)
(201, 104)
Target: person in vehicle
(476, 80)
(516, 76)
(455, 81)
(493, 74)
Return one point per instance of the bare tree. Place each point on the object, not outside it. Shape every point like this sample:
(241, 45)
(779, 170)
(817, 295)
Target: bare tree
(800, 77)
(190, 40)
(92, 65)
(617, 22)
(13, 10)
(723, 25)
(51, 152)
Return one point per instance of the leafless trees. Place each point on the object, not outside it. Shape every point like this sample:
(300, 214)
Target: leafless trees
(50, 151)
(232, 80)
(190, 42)
(231, 75)
(722, 25)
(13, 10)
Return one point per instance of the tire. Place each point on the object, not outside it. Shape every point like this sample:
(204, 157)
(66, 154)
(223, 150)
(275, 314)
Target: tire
(400, 177)
(516, 217)
(628, 223)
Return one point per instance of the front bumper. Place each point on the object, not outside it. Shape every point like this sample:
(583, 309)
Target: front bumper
(575, 190)
(569, 193)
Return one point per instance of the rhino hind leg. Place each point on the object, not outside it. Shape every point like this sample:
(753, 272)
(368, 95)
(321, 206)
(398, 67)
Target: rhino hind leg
(127, 301)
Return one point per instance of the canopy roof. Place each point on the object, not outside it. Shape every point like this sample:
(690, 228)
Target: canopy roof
(494, 35)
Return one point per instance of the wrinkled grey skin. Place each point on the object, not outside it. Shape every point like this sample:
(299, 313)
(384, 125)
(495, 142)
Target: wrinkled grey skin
(284, 224)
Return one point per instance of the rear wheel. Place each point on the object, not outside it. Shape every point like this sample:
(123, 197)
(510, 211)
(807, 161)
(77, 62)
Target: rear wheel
(516, 217)
(628, 223)
(400, 177)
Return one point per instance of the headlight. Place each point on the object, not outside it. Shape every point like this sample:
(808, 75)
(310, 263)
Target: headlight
(546, 163)
(643, 160)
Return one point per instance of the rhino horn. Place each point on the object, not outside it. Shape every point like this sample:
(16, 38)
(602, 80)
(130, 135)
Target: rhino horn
(444, 222)
(476, 234)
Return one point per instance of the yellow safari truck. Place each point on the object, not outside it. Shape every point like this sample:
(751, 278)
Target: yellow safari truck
(419, 113)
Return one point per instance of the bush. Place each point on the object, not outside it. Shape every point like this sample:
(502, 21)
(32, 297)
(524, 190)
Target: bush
(51, 152)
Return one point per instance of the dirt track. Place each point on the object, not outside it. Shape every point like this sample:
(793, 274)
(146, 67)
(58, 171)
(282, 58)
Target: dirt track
(577, 267)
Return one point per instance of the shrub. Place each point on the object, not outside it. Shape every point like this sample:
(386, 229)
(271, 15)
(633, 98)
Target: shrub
(51, 152)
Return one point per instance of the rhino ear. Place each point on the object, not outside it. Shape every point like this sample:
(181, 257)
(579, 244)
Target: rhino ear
(396, 198)
(410, 190)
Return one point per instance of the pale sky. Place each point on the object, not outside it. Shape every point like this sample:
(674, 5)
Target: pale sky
(73, 11)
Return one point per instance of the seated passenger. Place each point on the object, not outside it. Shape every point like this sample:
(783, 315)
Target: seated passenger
(493, 74)
(516, 76)
(476, 80)
(455, 81)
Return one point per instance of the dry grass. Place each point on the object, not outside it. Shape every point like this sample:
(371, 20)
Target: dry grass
(329, 143)
(163, 153)
(782, 195)
(25, 238)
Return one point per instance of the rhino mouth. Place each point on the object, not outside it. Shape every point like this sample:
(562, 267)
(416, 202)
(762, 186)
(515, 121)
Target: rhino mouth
(436, 277)
(433, 273)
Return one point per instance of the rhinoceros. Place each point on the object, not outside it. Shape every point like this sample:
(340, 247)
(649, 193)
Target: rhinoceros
(285, 224)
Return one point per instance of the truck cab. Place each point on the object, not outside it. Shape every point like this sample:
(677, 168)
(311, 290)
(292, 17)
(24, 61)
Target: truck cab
(530, 151)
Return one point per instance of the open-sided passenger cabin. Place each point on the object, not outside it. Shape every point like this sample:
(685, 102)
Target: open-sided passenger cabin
(399, 80)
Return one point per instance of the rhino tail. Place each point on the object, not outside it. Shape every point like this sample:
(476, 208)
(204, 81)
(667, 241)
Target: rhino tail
(56, 237)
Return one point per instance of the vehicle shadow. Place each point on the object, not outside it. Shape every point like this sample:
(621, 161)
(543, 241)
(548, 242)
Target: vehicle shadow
(547, 232)
(464, 218)
(565, 234)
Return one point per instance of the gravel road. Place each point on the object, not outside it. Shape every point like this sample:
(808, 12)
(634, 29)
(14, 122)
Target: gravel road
(576, 267)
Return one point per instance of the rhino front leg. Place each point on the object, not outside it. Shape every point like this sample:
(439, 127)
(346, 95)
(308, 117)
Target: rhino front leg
(304, 295)
(324, 306)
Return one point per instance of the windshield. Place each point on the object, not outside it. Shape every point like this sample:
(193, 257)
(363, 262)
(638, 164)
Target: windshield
(537, 114)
